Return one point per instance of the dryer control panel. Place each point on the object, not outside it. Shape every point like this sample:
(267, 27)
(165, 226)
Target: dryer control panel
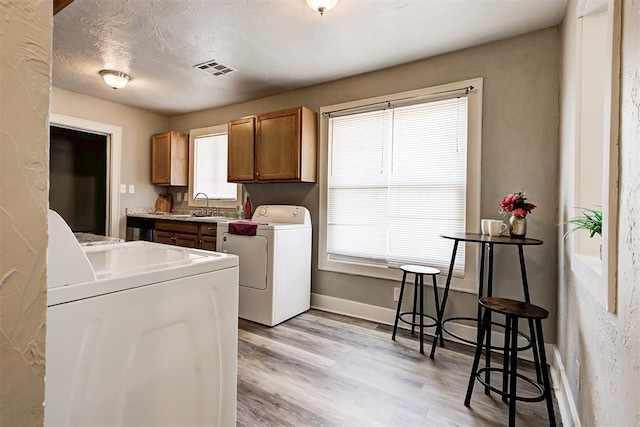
(282, 214)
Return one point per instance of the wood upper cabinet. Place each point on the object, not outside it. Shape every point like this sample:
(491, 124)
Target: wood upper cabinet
(240, 157)
(283, 149)
(170, 158)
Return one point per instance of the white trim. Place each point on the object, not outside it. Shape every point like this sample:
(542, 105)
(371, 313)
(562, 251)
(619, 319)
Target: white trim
(114, 149)
(566, 402)
(610, 188)
(474, 153)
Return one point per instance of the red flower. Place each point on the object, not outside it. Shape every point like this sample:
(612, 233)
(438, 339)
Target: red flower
(516, 204)
(519, 213)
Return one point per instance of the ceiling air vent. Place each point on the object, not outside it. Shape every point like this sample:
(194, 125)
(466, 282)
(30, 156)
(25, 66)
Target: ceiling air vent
(214, 68)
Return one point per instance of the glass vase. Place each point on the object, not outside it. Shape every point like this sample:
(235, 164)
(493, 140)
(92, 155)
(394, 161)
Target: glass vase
(517, 227)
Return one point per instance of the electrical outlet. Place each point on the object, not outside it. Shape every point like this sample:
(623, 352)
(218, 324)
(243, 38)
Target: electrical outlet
(123, 188)
(578, 375)
(396, 294)
(179, 196)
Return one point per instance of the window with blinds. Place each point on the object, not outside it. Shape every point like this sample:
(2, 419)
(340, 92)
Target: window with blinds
(396, 181)
(210, 170)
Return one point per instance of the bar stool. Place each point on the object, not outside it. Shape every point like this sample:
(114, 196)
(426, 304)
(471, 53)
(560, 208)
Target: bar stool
(419, 272)
(512, 310)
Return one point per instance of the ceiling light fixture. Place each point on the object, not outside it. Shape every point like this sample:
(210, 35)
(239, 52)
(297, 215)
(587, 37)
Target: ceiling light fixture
(321, 5)
(115, 79)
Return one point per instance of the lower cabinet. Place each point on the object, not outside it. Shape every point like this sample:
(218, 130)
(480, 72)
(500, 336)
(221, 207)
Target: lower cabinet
(208, 236)
(187, 234)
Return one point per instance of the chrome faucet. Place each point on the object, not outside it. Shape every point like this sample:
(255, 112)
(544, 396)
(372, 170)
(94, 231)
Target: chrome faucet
(206, 210)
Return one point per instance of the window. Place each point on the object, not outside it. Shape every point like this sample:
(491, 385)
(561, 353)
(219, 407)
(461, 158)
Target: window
(598, 36)
(398, 174)
(208, 169)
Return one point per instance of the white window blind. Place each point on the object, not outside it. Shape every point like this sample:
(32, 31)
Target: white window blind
(396, 182)
(210, 171)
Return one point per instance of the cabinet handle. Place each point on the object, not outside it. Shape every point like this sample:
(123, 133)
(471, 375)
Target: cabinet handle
(209, 228)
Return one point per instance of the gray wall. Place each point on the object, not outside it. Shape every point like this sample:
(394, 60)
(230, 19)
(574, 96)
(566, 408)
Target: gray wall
(137, 127)
(519, 152)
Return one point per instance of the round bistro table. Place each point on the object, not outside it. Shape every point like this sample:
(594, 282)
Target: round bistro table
(487, 246)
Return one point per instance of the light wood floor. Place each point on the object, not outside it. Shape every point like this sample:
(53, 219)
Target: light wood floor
(322, 369)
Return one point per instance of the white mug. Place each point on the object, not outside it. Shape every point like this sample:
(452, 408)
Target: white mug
(484, 225)
(496, 227)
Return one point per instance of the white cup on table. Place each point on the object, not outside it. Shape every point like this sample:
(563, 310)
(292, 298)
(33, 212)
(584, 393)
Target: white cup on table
(496, 227)
(484, 226)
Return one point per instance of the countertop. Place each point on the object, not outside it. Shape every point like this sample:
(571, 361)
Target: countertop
(179, 217)
(89, 239)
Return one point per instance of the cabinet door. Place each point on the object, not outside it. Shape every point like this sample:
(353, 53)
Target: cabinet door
(278, 142)
(170, 159)
(165, 237)
(240, 156)
(208, 243)
(161, 158)
(186, 240)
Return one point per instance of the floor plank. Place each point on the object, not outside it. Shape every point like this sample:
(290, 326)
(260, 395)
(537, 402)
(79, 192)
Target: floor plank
(324, 369)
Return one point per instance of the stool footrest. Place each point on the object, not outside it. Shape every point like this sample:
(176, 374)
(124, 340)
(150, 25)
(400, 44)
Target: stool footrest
(539, 387)
(473, 342)
(433, 320)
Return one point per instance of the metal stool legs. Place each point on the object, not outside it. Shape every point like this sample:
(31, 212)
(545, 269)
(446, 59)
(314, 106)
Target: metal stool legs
(418, 300)
(513, 311)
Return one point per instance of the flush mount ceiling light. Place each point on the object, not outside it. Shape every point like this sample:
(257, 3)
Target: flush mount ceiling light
(115, 79)
(321, 5)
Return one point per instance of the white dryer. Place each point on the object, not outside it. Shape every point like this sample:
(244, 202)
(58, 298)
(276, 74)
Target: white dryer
(274, 264)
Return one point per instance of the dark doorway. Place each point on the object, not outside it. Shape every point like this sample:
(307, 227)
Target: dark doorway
(78, 179)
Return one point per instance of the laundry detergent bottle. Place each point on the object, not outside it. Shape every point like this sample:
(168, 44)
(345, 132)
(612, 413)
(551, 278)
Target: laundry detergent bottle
(247, 207)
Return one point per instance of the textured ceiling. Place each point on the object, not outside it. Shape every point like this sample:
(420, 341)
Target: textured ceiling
(273, 45)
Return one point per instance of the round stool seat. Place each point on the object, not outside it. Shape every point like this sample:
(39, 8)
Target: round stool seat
(419, 269)
(514, 308)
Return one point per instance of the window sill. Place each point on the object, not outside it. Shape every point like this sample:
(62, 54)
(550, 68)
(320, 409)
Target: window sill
(588, 271)
(467, 284)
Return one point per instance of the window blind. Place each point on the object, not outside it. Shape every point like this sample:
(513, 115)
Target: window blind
(396, 182)
(211, 150)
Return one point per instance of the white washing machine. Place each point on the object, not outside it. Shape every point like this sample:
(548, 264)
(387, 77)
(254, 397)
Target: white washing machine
(275, 263)
(139, 334)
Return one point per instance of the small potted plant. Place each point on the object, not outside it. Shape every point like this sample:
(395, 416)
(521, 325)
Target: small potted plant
(590, 220)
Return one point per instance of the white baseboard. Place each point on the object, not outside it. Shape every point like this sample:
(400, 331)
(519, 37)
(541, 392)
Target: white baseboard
(387, 316)
(566, 402)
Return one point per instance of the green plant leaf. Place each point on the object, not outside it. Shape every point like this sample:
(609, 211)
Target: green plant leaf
(590, 220)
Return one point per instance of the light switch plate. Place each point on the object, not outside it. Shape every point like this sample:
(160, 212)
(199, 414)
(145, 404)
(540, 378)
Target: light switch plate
(179, 196)
(123, 188)
(132, 188)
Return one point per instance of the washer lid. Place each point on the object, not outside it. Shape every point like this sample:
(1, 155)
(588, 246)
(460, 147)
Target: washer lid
(282, 214)
(128, 265)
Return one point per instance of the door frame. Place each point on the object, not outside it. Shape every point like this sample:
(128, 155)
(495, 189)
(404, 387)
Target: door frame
(114, 148)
